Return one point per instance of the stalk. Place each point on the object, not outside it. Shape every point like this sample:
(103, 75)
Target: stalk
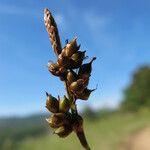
(82, 139)
(78, 127)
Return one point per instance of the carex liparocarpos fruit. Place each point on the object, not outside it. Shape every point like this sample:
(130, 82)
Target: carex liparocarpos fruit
(70, 69)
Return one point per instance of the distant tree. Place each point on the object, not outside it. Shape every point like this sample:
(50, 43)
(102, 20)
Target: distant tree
(138, 93)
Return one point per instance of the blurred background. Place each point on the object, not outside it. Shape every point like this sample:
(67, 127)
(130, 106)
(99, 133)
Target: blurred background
(116, 32)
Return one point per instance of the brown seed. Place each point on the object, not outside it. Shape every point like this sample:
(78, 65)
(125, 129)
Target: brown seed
(56, 121)
(77, 85)
(63, 131)
(72, 76)
(86, 68)
(52, 103)
(85, 94)
(71, 48)
(64, 61)
(53, 68)
(78, 57)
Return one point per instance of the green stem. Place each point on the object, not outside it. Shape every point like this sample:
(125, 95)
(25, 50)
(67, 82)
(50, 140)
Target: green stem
(68, 93)
(82, 139)
(74, 105)
(79, 132)
(72, 99)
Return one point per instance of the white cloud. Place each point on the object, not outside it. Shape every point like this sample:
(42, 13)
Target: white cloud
(61, 23)
(59, 19)
(95, 22)
(99, 27)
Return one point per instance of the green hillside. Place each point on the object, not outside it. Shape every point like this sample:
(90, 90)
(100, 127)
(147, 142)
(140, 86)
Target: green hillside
(13, 130)
(103, 133)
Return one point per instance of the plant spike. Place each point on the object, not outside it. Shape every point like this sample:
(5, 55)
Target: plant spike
(52, 31)
(69, 59)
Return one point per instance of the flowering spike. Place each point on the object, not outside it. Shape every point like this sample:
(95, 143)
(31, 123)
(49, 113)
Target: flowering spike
(52, 31)
(65, 118)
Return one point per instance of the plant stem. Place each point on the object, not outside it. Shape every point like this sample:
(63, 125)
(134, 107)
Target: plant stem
(79, 128)
(72, 99)
(82, 139)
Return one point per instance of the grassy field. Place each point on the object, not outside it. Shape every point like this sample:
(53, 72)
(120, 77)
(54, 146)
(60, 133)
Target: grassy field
(103, 133)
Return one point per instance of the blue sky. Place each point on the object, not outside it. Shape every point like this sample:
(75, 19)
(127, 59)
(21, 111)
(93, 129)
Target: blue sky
(117, 32)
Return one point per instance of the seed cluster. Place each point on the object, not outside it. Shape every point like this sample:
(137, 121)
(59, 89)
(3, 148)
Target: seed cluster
(70, 69)
(69, 60)
(61, 119)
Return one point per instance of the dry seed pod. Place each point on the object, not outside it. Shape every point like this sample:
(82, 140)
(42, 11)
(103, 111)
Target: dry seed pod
(64, 61)
(58, 70)
(65, 117)
(85, 76)
(54, 68)
(64, 105)
(63, 73)
(63, 70)
(79, 56)
(86, 68)
(71, 47)
(85, 94)
(71, 76)
(78, 85)
(63, 131)
(77, 59)
(56, 120)
(52, 31)
(52, 103)
(52, 123)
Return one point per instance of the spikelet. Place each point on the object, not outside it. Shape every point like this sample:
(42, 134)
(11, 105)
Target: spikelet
(71, 76)
(52, 31)
(86, 68)
(64, 105)
(52, 103)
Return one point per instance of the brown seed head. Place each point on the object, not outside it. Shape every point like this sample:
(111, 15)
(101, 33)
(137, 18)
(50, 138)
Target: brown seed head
(52, 30)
